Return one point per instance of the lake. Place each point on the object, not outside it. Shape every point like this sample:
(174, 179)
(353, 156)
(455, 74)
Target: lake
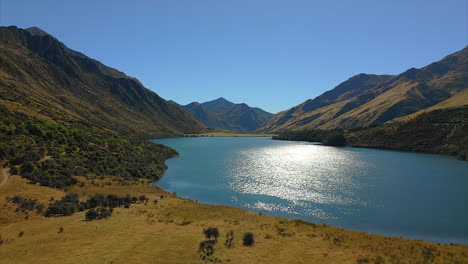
(420, 196)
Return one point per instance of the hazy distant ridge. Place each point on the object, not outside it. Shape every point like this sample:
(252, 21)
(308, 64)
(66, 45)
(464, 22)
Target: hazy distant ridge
(225, 115)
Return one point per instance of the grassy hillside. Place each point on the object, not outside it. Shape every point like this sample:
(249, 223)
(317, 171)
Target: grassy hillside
(148, 224)
(42, 74)
(366, 100)
(459, 99)
(439, 131)
(170, 231)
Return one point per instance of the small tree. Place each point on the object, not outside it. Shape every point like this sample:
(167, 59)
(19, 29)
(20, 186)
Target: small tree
(211, 232)
(248, 239)
(215, 233)
(229, 239)
(91, 215)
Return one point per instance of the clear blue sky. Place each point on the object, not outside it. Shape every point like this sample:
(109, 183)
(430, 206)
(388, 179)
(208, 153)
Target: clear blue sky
(267, 53)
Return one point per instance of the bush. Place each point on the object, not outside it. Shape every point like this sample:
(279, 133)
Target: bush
(248, 239)
(332, 137)
(229, 239)
(67, 206)
(14, 170)
(335, 139)
(98, 213)
(211, 232)
(207, 248)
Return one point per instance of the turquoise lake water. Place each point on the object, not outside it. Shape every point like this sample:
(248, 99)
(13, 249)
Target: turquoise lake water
(412, 195)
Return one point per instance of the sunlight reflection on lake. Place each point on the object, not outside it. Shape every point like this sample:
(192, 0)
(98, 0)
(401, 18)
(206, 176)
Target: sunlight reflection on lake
(387, 192)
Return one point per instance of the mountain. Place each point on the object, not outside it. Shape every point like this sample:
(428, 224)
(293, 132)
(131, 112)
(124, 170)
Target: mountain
(225, 115)
(218, 105)
(443, 130)
(40, 76)
(366, 99)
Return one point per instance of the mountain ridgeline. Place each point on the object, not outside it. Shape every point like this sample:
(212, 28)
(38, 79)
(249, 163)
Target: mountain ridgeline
(224, 115)
(423, 110)
(40, 76)
(368, 100)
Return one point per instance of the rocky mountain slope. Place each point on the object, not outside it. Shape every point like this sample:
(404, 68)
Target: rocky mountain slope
(40, 76)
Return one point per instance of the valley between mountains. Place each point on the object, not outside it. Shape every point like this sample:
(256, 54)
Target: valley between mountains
(77, 162)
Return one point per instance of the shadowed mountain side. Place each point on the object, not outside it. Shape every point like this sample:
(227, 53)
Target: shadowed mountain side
(43, 75)
(443, 131)
(366, 100)
(225, 115)
(218, 105)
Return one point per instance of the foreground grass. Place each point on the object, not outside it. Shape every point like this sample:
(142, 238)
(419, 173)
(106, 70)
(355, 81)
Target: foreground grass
(170, 230)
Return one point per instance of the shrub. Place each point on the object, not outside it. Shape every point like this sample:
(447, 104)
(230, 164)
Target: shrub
(67, 206)
(207, 248)
(248, 239)
(335, 139)
(211, 232)
(229, 239)
(98, 213)
(92, 214)
(14, 170)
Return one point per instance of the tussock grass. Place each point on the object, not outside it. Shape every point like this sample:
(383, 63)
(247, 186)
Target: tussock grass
(171, 230)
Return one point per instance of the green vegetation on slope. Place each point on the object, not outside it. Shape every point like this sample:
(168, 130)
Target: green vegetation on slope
(442, 131)
(42, 74)
(50, 153)
(332, 137)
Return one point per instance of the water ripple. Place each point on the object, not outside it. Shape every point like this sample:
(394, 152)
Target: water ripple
(297, 173)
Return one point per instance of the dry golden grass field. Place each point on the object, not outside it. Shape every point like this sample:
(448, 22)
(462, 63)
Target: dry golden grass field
(170, 231)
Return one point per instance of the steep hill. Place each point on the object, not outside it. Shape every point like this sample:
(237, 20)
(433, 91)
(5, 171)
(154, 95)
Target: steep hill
(458, 100)
(444, 131)
(225, 115)
(39, 74)
(366, 100)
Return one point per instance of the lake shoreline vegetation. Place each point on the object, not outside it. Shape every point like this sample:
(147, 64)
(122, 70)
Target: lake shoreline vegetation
(442, 131)
(78, 200)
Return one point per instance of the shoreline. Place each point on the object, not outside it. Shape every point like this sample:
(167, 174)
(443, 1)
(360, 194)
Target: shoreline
(427, 238)
(171, 229)
(291, 218)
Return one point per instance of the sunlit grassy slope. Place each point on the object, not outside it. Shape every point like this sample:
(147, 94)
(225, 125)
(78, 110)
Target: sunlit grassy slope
(367, 99)
(43, 75)
(170, 231)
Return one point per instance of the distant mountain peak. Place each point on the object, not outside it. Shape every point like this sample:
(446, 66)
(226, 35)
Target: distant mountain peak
(35, 31)
(218, 105)
(225, 115)
(220, 99)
